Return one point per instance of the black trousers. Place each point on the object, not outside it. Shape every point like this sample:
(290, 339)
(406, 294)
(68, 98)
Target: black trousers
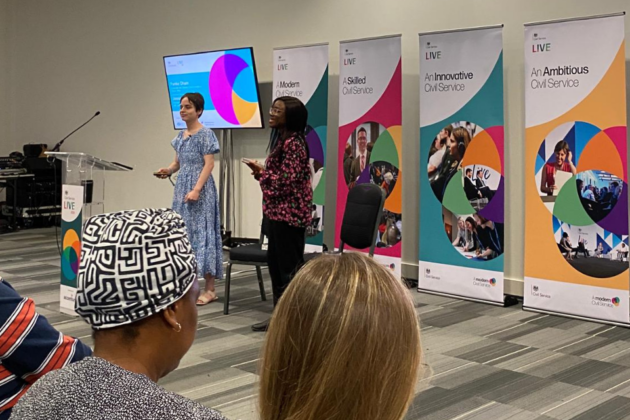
(285, 254)
(486, 192)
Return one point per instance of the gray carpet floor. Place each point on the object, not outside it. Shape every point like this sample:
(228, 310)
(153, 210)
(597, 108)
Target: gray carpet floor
(486, 362)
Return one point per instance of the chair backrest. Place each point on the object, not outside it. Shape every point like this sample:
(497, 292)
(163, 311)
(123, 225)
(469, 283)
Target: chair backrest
(364, 210)
(264, 230)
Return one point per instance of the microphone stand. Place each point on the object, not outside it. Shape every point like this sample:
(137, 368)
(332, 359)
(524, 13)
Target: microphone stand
(58, 145)
(51, 162)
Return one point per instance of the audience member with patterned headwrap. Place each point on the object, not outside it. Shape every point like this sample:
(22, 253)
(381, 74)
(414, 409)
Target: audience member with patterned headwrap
(137, 288)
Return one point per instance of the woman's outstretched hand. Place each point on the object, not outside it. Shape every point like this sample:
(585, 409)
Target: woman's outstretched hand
(254, 165)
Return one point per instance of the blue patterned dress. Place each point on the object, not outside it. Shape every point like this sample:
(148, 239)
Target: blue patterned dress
(202, 217)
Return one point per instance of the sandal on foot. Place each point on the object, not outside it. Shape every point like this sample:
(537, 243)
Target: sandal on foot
(206, 297)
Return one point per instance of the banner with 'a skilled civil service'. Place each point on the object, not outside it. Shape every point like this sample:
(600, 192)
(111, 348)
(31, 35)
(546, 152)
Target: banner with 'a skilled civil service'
(370, 134)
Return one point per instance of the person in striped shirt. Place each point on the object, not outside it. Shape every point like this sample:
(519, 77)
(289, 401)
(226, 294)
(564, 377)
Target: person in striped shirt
(29, 347)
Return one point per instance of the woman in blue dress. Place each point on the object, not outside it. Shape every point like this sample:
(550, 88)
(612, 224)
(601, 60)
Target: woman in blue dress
(195, 196)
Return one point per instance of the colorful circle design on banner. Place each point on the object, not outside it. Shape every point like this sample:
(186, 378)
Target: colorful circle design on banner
(316, 150)
(372, 153)
(582, 180)
(465, 172)
(232, 91)
(71, 254)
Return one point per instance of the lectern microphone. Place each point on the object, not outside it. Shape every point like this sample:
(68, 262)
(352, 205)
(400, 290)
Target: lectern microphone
(58, 145)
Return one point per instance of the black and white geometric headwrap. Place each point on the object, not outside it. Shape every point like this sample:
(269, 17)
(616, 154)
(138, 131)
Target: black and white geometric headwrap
(133, 264)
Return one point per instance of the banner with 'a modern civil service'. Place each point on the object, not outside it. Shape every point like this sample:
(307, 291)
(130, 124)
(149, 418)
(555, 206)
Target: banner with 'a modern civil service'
(302, 72)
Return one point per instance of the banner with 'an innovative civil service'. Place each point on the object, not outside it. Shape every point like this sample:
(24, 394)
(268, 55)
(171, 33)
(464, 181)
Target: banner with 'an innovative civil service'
(462, 170)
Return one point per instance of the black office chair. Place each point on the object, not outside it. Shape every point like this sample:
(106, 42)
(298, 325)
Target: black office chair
(362, 216)
(247, 255)
(364, 209)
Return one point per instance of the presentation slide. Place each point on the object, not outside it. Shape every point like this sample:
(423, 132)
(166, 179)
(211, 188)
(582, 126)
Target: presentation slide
(226, 79)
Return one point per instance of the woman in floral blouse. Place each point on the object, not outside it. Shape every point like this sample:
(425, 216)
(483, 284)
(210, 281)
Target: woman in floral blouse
(285, 181)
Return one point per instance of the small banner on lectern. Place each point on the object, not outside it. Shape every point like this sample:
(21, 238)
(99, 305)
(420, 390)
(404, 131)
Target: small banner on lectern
(370, 134)
(576, 171)
(302, 72)
(71, 227)
(462, 185)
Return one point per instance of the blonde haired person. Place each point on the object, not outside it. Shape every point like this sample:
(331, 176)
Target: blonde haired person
(343, 344)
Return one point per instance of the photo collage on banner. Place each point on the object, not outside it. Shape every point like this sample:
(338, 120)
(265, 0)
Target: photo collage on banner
(461, 164)
(370, 135)
(302, 72)
(576, 173)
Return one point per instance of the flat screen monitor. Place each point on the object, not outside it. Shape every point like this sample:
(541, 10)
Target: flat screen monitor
(227, 81)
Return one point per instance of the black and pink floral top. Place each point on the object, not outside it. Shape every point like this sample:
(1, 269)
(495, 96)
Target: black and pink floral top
(286, 183)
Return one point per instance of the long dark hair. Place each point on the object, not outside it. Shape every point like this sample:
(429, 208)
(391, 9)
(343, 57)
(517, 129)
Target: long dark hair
(296, 117)
(462, 137)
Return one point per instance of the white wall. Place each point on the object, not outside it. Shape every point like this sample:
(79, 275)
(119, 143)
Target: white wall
(6, 142)
(5, 64)
(75, 57)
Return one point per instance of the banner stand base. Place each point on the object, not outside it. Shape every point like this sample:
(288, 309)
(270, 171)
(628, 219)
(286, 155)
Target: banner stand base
(67, 295)
(510, 300)
(471, 299)
(579, 317)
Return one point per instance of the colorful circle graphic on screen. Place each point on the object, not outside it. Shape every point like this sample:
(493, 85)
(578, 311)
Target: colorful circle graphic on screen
(70, 255)
(232, 89)
(581, 178)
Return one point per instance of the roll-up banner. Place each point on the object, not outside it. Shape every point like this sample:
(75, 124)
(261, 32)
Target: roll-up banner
(71, 233)
(302, 72)
(370, 134)
(576, 171)
(462, 185)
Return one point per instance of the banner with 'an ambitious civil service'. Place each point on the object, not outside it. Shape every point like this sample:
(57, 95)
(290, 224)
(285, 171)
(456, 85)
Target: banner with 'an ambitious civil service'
(576, 171)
